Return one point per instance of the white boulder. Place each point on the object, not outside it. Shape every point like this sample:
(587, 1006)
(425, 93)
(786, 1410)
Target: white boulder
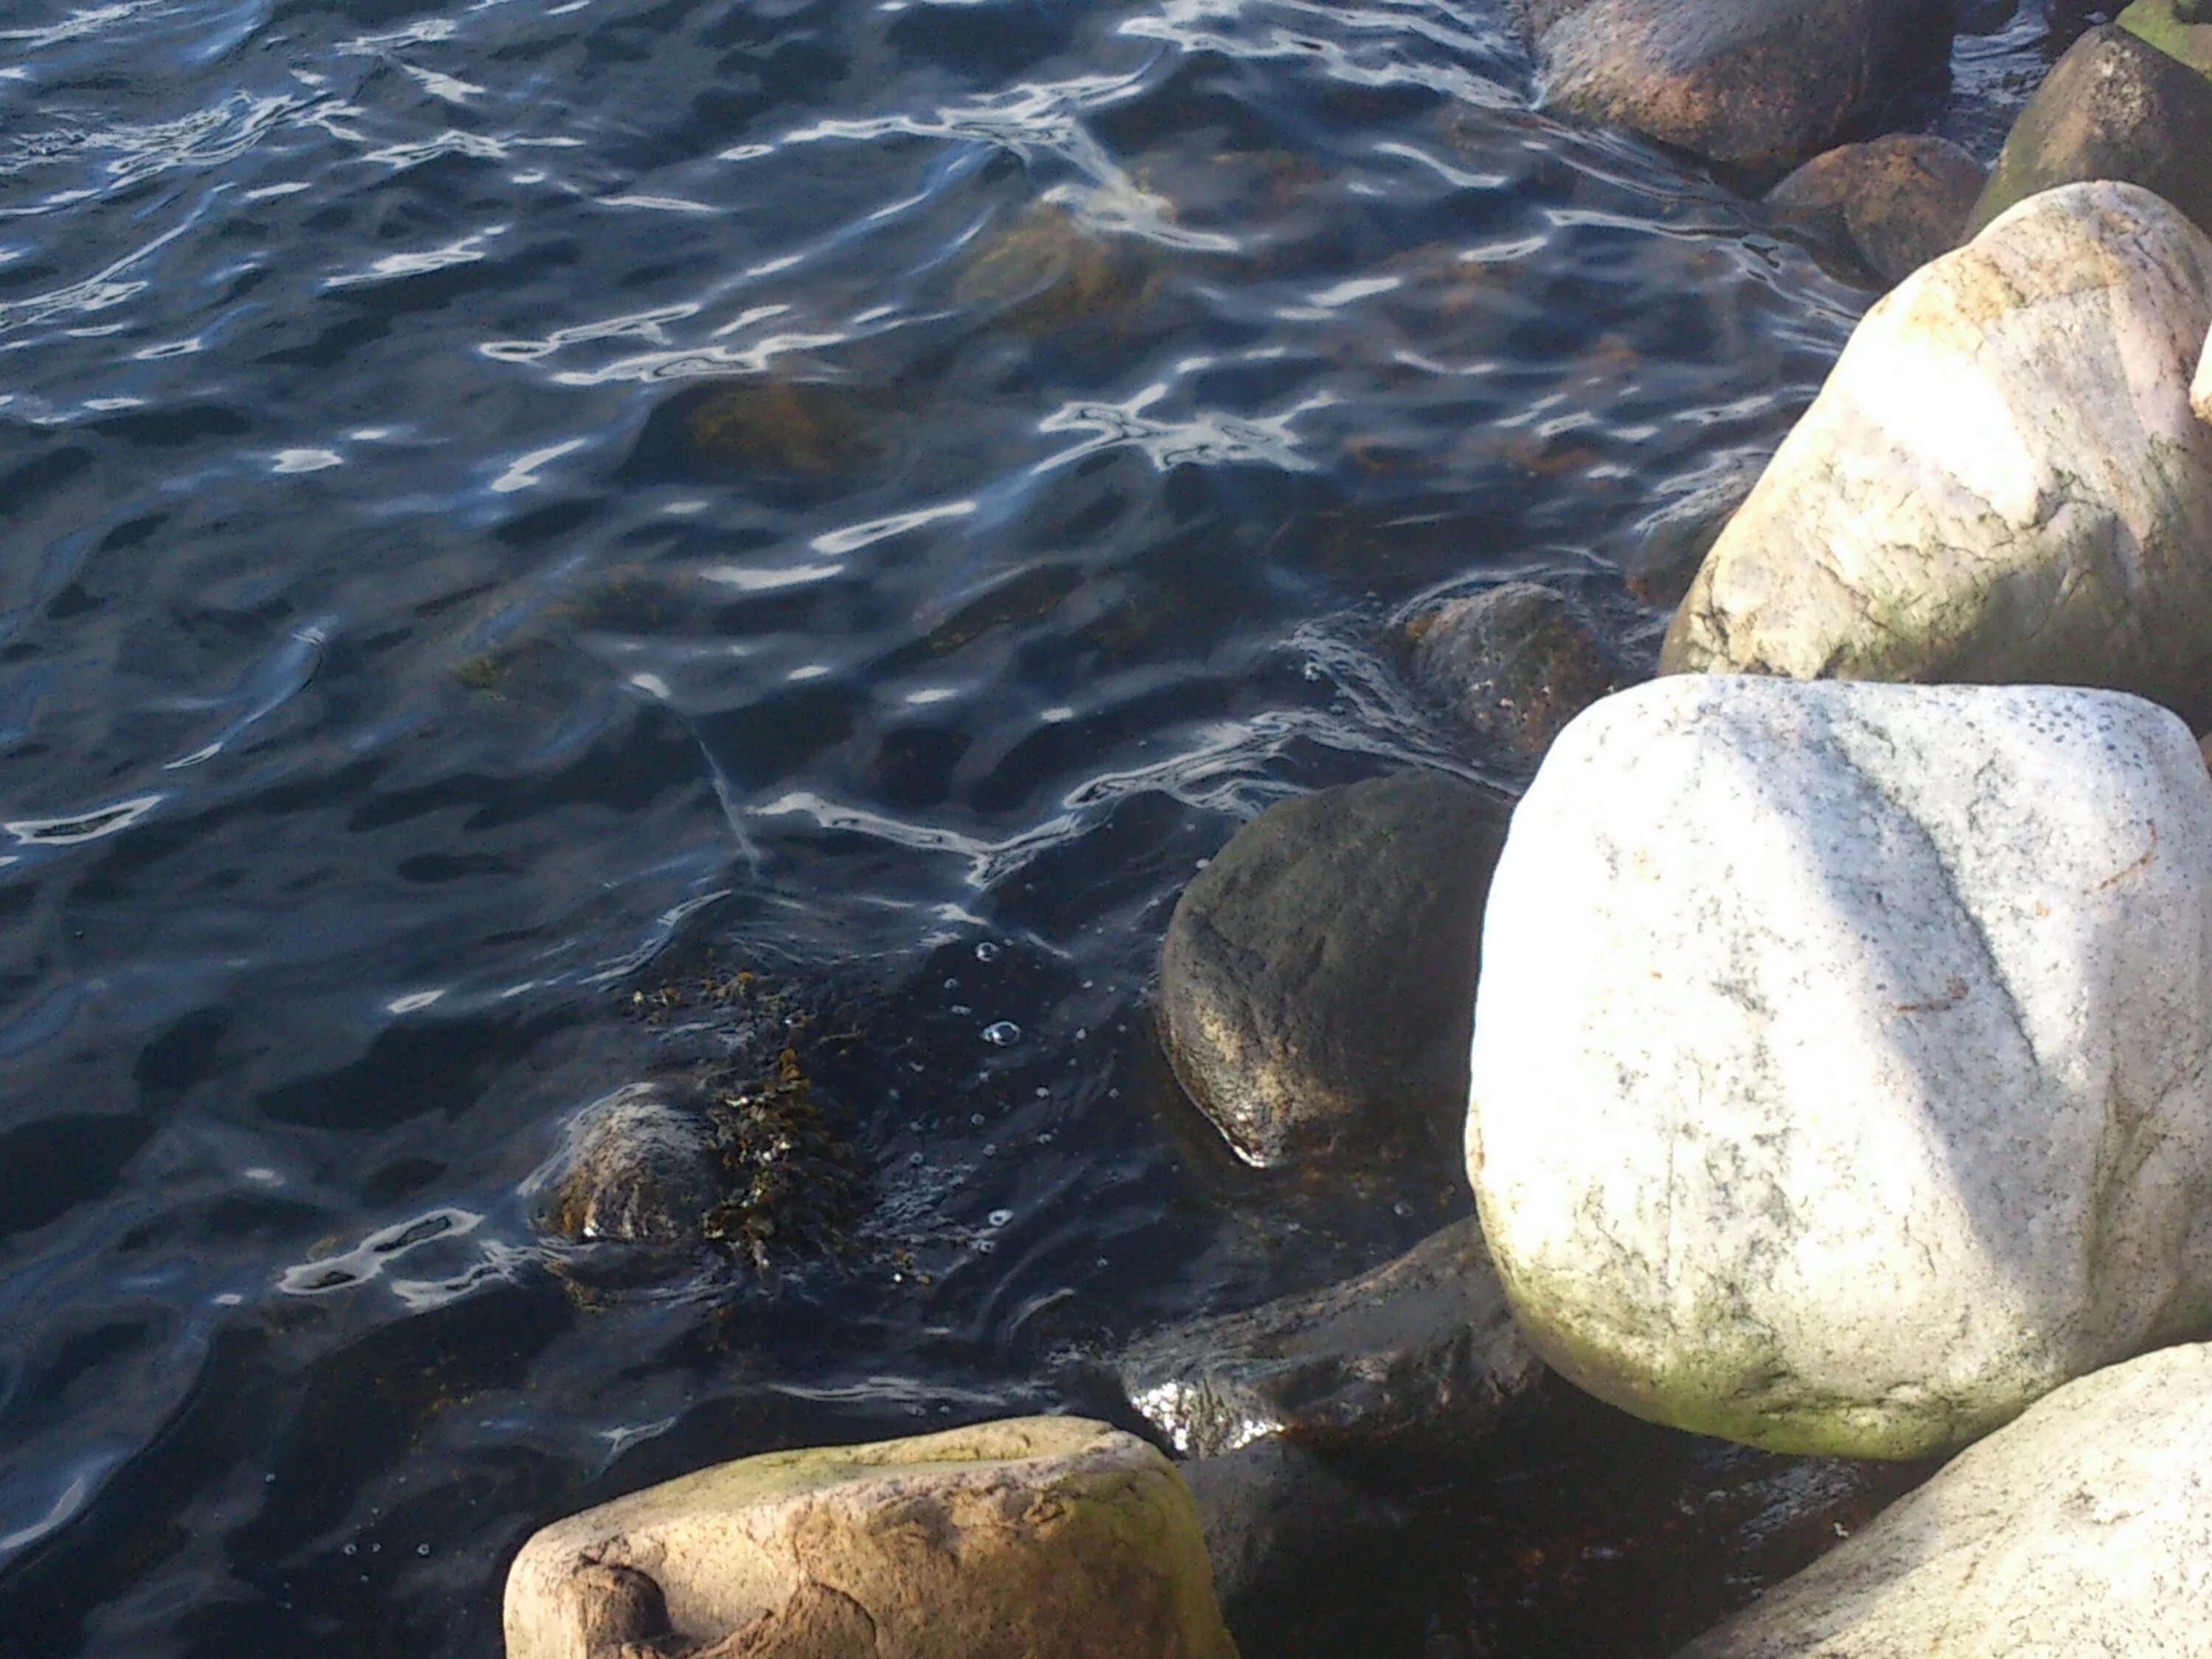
(2001, 479)
(2084, 1528)
(1838, 1078)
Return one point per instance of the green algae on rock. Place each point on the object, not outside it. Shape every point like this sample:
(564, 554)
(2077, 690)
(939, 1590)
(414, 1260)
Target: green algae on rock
(1010, 1539)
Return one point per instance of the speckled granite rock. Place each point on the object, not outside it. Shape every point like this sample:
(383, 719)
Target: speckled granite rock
(2085, 1527)
(1840, 1076)
(2001, 479)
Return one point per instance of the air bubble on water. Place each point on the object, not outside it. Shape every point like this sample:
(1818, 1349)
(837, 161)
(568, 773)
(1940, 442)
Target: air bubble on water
(976, 1118)
(990, 1149)
(421, 1549)
(951, 984)
(986, 952)
(961, 1008)
(913, 1159)
(1043, 1093)
(1402, 1208)
(1082, 1032)
(1002, 1034)
(352, 1549)
(999, 1218)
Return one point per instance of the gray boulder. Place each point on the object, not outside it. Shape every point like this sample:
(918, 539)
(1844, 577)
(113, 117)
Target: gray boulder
(1316, 977)
(1842, 1078)
(2081, 1529)
(1754, 82)
(1514, 663)
(1422, 1352)
(2112, 108)
(1897, 202)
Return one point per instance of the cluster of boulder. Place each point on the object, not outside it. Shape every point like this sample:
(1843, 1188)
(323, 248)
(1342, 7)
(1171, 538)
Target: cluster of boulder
(1826, 1032)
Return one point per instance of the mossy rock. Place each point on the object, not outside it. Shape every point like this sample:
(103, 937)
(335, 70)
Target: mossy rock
(1007, 1541)
(2181, 29)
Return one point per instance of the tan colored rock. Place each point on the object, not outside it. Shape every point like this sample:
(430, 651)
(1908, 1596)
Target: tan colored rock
(2002, 480)
(1017, 1540)
(1899, 201)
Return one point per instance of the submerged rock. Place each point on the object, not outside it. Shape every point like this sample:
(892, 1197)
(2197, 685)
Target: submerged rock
(1422, 1352)
(1514, 663)
(1668, 544)
(1047, 269)
(1316, 977)
(1753, 82)
(637, 1168)
(2001, 479)
(1007, 1541)
(2081, 1528)
(768, 427)
(1897, 202)
(1838, 1076)
(2112, 108)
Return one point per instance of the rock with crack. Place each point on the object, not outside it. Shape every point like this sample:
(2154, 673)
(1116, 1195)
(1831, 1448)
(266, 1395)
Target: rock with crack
(1840, 1076)
(2081, 1528)
(1317, 975)
(2002, 480)
(1752, 82)
(1007, 1541)
(2113, 108)
(1422, 1354)
(1897, 202)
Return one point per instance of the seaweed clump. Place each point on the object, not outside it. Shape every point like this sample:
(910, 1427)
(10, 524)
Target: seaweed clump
(790, 1184)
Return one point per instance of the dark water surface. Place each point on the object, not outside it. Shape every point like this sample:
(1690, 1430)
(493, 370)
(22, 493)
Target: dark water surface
(503, 504)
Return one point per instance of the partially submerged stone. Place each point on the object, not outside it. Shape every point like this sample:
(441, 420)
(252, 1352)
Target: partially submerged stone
(1007, 1541)
(1514, 663)
(2082, 1528)
(1048, 269)
(1754, 82)
(2001, 479)
(1421, 1352)
(636, 1168)
(2112, 108)
(1897, 201)
(1839, 1074)
(1271, 1511)
(1316, 977)
(767, 427)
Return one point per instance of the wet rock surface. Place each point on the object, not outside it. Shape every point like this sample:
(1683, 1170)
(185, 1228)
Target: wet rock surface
(2001, 479)
(1514, 664)
(2182, 29)
(637, 1169)
(1796, 1122)
(1318, 976)
(1421, 1353)
(2113, 108)
(1271, 1510)
(1897, 202)
(1751, 82)
(1036, 1535)
(2081, 1528)
(1664, 550)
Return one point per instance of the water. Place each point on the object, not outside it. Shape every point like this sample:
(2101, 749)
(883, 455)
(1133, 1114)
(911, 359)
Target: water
(512, 507)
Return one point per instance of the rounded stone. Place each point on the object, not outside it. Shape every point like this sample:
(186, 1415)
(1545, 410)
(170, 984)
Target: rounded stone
(637, 1168)
(1842, 1073)
(1317, 975)
(1899, 201)
(1514, 663)
(2113, 108)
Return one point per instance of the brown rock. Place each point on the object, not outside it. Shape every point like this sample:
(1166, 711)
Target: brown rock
(1899, 201)
(1516, 663)
(1753, 82)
